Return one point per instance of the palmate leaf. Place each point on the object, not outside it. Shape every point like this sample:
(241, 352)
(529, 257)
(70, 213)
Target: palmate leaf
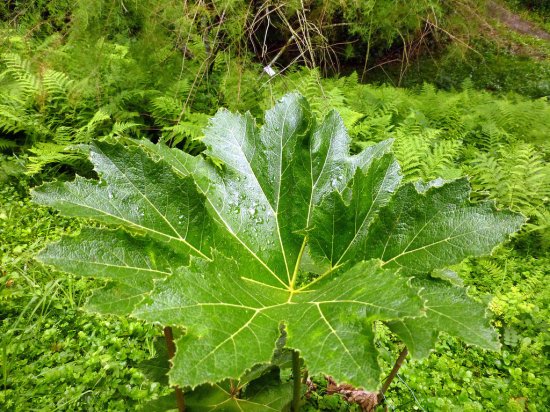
(225, 315)
(226, 246)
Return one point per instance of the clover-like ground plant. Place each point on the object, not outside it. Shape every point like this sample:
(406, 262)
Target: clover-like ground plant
(276, 238)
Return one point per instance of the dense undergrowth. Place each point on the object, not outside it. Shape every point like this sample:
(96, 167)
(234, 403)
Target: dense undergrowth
(53, 355)
(71, 74)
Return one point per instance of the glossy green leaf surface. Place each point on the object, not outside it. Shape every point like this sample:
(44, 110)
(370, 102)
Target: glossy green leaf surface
(225, 313)
(132, 262)
(423, 229)
(136, 192)
(448, 309)
(266, 394)
(221, 249)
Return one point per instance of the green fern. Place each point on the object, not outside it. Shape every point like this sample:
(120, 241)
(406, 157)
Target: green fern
(187, 134)
(517, 176)
(540, 223)
(424, 156)
(6, 145)
(371, 129)
(493, 270)
(12, 116)
(57, 85)
(125, 129)
(20, 70)
(52, 154)
(166, 110)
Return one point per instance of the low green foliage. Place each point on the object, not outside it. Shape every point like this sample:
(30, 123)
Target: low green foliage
(537, 6)
(52, 355)
(489, 67)
(456, 377)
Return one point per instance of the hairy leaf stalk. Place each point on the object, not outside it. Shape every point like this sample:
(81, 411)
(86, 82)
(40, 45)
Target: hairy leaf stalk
(169, 337)
(393, 373)
(297, 378)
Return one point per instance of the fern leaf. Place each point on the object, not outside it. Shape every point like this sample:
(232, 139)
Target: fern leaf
(6, 145)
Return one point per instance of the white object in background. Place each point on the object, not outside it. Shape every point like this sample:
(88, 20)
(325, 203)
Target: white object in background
(269, 71)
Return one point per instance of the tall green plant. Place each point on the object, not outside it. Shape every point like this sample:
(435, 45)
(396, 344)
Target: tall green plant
(219, 249)
(500, 142)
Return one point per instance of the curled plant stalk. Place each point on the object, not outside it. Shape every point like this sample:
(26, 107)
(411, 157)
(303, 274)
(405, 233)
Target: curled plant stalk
(365, 399)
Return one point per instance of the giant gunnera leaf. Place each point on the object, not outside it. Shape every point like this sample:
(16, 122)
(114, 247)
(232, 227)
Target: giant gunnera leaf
(275, 230)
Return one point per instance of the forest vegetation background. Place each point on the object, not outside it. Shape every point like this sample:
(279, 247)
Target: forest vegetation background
(462, 87)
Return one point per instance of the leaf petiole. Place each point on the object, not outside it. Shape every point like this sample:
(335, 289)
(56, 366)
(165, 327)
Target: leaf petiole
(297, 381)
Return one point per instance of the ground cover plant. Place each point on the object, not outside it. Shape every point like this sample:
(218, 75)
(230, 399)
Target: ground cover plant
(516, 287)
(233, 264)
(52, 355)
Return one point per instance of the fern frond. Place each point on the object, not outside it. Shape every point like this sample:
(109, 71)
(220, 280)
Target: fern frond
(100, 116)
(57, 85)
(372, 129)
(6, 144)
(124, 129)
(488, 177)
(165, 110)
(350, 82)
(187, 134)
(424, 156)
(492, 268)
(312, 89)
(540, 223)
(21, 71)
(46, 154)
(12, 119)
(441, 160)
(516, 176)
